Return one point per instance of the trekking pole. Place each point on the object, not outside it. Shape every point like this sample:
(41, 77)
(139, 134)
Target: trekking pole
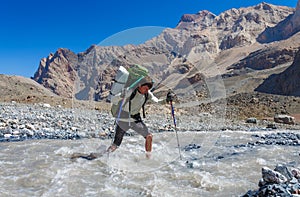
(174, 121)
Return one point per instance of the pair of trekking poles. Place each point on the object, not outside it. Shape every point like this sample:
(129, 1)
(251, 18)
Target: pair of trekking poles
(172, 112)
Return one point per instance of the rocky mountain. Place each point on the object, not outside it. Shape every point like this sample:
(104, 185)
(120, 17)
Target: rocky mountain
(57, 72)
(237, 45)
(282, 30)
(21, 89)
(27, 91)
(285, 83)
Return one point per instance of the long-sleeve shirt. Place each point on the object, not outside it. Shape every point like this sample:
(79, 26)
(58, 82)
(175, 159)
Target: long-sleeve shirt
(136, 102)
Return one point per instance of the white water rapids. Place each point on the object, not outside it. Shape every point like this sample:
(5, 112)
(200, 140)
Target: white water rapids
(43, 167)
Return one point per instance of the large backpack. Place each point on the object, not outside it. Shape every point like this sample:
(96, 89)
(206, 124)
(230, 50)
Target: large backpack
(136, 73)
(120, 81)
(126, 79)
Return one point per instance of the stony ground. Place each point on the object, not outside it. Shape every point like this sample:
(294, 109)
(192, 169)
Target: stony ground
(39, 121)
(259, 105)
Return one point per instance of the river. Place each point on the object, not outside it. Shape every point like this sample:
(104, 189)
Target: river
(215, 165)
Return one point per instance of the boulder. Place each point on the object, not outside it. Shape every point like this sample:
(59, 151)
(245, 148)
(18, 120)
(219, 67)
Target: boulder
(285, 119)
(251, 120)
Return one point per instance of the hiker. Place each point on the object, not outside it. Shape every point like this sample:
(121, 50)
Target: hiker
(130, 117)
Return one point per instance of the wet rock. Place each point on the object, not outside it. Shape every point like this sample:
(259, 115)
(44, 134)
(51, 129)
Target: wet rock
(271, 176)
(278, 182)
(282, 169)
(189, 164)
(220, 157)
(192, 147)
(296, 173)
(283, 139)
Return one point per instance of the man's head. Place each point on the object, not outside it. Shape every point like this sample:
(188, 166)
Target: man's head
(145, 85)
(144, 88)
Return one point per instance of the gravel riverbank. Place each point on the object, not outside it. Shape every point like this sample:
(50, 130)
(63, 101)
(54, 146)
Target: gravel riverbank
(38, 121)
(42, 121)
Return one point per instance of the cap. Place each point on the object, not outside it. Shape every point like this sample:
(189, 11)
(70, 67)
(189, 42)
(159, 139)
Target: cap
(147, 81)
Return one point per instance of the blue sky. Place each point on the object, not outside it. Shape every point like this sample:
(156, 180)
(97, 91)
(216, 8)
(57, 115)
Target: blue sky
(31, 29)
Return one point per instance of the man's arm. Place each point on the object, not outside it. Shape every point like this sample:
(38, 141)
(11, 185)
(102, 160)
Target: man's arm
(155, 99)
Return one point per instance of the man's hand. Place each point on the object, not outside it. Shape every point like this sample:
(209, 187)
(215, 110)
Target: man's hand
(170, 96)
(123, 93)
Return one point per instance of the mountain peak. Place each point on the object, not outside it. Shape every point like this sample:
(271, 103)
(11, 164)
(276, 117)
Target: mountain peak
(282, 30)
(264, 6)
(201, 19)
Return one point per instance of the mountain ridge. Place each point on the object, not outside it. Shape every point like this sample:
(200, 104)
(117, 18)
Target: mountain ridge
(198, 39)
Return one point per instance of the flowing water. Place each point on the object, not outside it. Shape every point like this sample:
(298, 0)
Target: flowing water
(217, 168)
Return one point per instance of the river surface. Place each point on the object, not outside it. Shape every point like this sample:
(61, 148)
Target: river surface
(220, 167)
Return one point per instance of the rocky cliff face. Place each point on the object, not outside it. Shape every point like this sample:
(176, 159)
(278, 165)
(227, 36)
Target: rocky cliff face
(57, 72)
(285, 83)
(199, 41)
(268, 57)
(282, 30)
(235, 27)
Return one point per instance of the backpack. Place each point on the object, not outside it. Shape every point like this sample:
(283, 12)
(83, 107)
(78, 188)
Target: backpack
(136, 73)
(119, 83)
(129, 79)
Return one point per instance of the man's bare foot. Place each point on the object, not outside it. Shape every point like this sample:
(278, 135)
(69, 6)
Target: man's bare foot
(148, 155)
(112, 148)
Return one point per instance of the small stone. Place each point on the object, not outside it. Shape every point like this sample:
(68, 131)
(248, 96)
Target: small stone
(29, 126)
(271, 126)
(16, 132)
(46, 105)
(7, 135)
(296, 173)
(189, 164)
(29, 133)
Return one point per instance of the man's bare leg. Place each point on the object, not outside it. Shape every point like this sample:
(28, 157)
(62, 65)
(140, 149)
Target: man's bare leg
(148, 145)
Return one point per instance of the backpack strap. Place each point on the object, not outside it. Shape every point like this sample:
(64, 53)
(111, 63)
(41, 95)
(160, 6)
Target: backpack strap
(143, 106)
(130, 98)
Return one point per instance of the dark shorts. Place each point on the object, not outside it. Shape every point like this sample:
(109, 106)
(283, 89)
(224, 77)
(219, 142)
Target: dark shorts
(138, 126)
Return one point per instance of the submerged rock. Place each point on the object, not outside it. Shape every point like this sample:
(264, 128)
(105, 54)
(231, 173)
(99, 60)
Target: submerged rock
(191, 147)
